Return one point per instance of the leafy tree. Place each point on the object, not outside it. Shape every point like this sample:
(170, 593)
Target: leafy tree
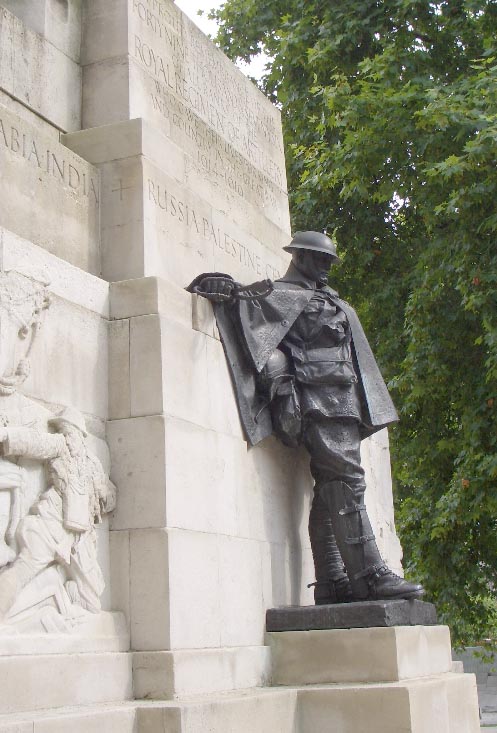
(390, 122)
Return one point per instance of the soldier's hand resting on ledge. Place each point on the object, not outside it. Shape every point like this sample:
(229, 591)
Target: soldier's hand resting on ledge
(217, 289)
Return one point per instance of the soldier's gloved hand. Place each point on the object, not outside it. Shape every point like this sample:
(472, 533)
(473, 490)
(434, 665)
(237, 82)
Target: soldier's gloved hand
(217, 289)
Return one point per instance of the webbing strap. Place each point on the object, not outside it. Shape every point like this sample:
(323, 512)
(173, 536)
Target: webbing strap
(360, 540)
(352, 509)
(371, 570)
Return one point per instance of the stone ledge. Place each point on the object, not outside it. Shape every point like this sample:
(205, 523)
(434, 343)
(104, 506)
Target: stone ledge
(168, 675)
(359, 655)
(351, 616)
(33, 682)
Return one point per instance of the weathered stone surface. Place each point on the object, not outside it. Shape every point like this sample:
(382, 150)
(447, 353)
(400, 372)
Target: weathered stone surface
(71, 353)
(101, 633)
(34, 682)
(225, 178)
(24, 113)
(50, 196)
(157, 64)
(444, 703)
(149, 606)
(161, 217)
(38, 74)
(359, 655)
(66, 281)
(111, 718)
(137, 448)
(351, 615)
(148, 295)
(167, 675)
(58, 21)
(375, 458)
(264, 711)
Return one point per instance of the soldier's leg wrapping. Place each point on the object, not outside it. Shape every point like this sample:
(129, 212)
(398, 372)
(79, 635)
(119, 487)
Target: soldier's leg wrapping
(332, 584)
(334, 446)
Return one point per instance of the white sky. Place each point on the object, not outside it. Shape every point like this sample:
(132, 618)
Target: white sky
(191, 7)
(209, 27)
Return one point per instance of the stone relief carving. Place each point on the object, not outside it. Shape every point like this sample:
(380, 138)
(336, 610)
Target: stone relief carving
(56, 569)
(22, 303)
(53, 490)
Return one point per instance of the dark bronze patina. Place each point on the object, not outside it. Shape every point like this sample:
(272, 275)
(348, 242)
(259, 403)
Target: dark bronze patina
(302, 369)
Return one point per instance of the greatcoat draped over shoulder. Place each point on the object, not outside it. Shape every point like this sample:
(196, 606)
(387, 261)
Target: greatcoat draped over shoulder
(252, 329)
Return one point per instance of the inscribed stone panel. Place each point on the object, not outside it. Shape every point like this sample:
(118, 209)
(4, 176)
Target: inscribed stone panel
(186, 235)
(168, 72)
(152, 224)
(48, 195)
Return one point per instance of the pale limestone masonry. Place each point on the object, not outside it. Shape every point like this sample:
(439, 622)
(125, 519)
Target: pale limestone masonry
(133, 156)
(56, 21)
(36, 73)
(40, 176)
(158, 65)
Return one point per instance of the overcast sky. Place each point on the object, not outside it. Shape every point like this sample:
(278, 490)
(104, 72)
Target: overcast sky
(209, 27)
(191, 8)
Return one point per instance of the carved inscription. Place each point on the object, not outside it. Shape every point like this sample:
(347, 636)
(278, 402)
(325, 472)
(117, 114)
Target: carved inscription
(201, 226)
(214, 156)
(165, 22)
(35, 153)
(183, 65)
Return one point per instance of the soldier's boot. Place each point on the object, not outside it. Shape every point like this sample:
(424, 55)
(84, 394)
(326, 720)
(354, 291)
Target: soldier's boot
(370, 577)
(332, 584)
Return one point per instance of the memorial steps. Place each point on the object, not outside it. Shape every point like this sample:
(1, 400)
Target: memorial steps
(428, 700)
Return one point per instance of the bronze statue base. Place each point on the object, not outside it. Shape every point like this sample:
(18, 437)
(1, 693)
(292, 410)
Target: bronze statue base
(363, 615)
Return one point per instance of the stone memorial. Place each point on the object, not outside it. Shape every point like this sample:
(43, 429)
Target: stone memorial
(141, 539)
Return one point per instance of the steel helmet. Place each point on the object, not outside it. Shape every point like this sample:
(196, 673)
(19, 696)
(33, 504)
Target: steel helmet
(315, 241)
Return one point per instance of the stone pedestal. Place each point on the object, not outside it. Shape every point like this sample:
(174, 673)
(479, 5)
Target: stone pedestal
(376, 679)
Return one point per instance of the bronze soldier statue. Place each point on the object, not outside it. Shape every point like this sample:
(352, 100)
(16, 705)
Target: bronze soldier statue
(302, 368)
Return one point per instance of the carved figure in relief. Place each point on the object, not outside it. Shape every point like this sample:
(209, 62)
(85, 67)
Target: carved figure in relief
(60, 528)
(302, 368)
(12, 481)
(22, 302)
(22, 305)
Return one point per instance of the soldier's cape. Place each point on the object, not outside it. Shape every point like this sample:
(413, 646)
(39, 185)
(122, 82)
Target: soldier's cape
(250, 331)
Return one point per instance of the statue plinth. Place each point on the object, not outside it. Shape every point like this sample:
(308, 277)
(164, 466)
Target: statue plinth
(362, 615)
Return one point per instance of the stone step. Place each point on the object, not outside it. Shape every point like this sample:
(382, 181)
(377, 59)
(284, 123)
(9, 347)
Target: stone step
(443, 703)
(109, 718)
(45, 681)
(359, 655)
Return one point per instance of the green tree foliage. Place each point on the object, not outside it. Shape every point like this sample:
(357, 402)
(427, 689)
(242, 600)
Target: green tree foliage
(390, 122)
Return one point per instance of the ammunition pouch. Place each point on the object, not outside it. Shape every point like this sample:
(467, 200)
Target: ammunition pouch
(278, 382)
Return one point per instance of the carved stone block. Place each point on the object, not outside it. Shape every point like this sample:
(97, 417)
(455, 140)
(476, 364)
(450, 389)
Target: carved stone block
(50, 195)
(35, 72)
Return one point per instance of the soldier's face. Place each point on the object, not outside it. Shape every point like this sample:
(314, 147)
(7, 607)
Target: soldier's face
(315, 265)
